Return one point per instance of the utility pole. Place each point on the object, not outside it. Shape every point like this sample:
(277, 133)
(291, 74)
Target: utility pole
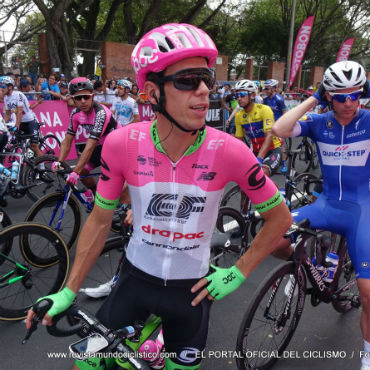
(290, 46)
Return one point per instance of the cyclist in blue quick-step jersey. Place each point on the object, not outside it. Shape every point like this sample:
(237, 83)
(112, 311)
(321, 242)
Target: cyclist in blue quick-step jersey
(342, 137)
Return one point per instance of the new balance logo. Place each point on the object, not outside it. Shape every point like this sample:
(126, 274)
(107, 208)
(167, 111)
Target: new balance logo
(207, 176)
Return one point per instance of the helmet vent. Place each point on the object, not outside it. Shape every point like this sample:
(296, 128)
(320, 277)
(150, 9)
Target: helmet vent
(196, 36)
(348, 74)
(146, 51)
(184, 40)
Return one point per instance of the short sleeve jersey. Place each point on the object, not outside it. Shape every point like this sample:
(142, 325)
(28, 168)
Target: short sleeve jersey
(343, 153)
(18, 99)
(175, 204)
(99, 122)
(125, 110)
(277, 104)
(255, 124)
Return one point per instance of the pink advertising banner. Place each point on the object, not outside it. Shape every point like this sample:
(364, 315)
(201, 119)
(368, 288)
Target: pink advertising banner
(345, 50)
(55, 116)
(300, 45)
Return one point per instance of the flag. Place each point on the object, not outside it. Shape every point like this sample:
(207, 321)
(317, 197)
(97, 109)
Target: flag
(345, 50)
(300, 45)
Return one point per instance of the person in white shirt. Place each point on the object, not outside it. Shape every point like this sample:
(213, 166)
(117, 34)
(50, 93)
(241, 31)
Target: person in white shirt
(100, 91)
(124, 107)
(16, 102)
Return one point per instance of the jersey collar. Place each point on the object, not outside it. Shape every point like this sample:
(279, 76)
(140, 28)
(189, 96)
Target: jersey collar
(192, 148)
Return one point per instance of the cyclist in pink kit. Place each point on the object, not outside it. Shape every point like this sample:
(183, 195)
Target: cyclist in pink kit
(96, 119)
(176, 169)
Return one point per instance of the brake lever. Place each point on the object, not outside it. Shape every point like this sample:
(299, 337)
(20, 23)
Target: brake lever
(42, 307)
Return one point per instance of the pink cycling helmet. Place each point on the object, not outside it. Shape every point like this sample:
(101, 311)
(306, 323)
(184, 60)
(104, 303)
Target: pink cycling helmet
(166, 45)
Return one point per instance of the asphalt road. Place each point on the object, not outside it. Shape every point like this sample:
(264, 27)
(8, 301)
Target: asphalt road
(320, 332)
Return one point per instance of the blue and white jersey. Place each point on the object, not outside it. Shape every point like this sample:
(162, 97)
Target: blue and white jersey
(277, 104)
(18, 99)
(343, 153)
(124, 110)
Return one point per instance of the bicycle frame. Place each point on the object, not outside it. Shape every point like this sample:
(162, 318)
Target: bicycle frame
(19, 270)
(68, 190)
(320, 290)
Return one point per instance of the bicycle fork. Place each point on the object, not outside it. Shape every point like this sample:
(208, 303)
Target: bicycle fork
(56, 208)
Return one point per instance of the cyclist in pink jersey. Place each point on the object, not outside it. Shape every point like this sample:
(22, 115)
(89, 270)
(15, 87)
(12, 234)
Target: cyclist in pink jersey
(176, 169)
(96, 119)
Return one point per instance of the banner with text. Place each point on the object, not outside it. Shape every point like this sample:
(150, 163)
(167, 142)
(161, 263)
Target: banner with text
(55, 116)
(300, 45)
(345, 50)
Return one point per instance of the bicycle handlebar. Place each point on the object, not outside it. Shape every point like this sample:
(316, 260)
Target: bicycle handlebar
(89, 323)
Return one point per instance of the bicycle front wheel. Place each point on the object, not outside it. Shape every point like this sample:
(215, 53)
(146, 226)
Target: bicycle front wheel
(229, 240)
(47, 211)
(236, 199)
(303, 160)
(103, 274)
(22, 281)
(301, 192)
(40, 179)
(271, 318)
(49, 144)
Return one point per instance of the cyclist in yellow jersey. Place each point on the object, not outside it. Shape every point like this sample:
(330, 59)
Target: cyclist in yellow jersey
(256, 121)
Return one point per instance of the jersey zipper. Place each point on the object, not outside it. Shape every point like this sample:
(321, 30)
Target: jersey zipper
(340, 166)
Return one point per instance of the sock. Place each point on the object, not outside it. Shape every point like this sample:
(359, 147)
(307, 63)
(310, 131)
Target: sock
(366, 359)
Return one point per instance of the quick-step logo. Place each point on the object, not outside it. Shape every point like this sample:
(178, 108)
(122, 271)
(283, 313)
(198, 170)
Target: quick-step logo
(353, 154)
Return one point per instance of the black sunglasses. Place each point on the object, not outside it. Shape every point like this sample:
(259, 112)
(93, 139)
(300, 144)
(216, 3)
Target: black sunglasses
(190, 79)
(83, 96)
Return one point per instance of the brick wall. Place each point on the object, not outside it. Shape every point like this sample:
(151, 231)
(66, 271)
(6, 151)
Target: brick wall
(43, 54)
(116, 58)
(249, 69)
(317, 73)
(276, 71)
(221, 67)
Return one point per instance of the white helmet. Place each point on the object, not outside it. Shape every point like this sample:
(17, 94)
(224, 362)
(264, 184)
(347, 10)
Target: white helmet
(125, 83)
(344, 75)
(7, 80)
(271, 83)
(246, 85)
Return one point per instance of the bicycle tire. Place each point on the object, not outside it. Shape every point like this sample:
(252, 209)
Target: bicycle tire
(236, 199)
(17, 298)
(42, 211)
(287, 142)
(251, 337)
(32, 175)
(105, 268)
(4, 219)
(46, 147)
(315, 156)
(347, 282)
(255, 226)
(229, 240)
(304, 157)
(301, 194)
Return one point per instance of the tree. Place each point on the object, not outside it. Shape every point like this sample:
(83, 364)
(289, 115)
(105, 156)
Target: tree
(17, 10)
(265, 28)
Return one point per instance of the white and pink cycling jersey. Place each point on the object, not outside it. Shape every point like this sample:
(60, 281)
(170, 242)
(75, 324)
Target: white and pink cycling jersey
(175, 204)
(99, 122)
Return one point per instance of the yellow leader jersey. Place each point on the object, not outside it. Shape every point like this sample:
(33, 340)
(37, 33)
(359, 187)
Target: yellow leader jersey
(255, 124)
